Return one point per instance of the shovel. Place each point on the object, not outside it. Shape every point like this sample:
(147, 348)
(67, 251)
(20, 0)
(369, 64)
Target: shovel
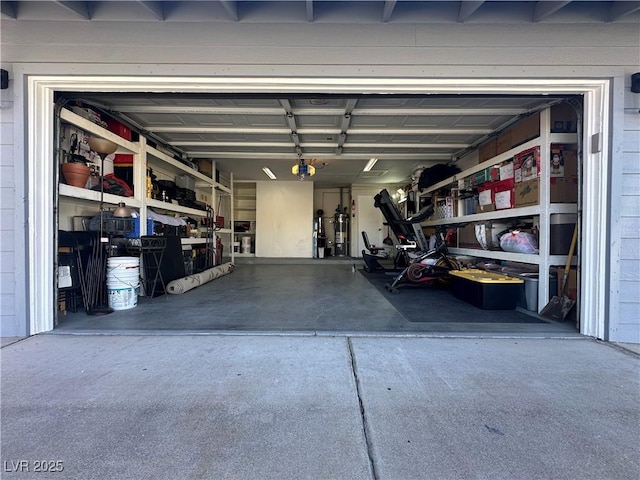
(558, 307)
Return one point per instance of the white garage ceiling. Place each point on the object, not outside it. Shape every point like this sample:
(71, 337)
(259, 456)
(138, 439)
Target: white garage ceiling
(337, 134)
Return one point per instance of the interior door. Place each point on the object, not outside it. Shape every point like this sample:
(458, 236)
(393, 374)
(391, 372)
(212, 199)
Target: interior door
(370, 220)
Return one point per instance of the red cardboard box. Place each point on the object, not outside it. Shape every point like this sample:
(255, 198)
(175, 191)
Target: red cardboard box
(526, 165)
(485, 194)
(123, 160)
(503, 194)
(119, 129)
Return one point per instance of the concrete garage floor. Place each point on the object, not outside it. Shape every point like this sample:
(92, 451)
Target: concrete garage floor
(318, 407)
(316, 297)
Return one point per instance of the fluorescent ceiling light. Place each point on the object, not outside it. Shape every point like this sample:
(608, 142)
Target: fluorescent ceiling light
(269, 173)
(369, 165)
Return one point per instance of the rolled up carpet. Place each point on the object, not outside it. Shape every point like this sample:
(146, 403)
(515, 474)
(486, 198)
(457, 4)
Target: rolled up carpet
(182, 285)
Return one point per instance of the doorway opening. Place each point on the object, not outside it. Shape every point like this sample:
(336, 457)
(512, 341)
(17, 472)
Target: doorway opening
(40, 110)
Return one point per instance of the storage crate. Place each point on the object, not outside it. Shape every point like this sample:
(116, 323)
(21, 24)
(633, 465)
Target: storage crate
(486, 290)
(135, 233)
(445, 208)
(119, 128)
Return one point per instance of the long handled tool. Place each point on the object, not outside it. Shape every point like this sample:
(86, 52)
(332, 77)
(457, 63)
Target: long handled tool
(388, 240)
(559, 307)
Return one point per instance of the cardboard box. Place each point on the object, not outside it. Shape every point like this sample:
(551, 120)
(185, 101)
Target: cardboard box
(504, 142)
(467, 236)
(563, 118)
(498, 193)
(563, 190)
(563, 182)
(204, 166)
(564, 160)
(485, 208)
(488, 174)
(485, 195)
(525, 130)
(503, 194)
(526, 165)
(445, 207)
(527, 193)
(506, 170)
(488, 150)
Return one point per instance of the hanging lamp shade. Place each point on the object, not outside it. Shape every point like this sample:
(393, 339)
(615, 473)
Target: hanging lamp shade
(122, 211)
(102, 145)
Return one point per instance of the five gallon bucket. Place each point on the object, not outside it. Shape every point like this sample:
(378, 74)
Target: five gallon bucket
(123, 282)
(246, 244)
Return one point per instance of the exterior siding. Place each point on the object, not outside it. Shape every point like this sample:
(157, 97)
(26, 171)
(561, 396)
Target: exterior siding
(627, 328)
(8, 225)
(570, 50)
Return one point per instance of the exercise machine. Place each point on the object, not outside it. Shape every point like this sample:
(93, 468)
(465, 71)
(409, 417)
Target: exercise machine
(432, 265)
(408, 233)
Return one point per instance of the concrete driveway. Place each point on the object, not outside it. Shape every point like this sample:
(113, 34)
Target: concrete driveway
(313, 407)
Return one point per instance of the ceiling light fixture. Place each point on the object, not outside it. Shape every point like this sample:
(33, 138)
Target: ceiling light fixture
(303, 170)
(269, 173)
(369, 165)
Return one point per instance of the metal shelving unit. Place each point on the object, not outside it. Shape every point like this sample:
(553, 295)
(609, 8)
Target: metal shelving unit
(543, 211)
(166, 167)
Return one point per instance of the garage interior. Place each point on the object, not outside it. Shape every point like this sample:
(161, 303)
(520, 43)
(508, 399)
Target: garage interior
(338, 135)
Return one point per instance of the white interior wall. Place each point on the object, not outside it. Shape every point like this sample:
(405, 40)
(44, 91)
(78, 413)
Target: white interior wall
(284, 219)
(317, 50)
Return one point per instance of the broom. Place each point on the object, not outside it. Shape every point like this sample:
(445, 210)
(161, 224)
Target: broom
(558, 307)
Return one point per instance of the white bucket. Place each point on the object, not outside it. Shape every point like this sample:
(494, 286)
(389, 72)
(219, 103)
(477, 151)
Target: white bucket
(123, 282)
(246, 244)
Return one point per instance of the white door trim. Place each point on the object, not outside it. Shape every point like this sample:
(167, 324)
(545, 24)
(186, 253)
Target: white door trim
(40, 158)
